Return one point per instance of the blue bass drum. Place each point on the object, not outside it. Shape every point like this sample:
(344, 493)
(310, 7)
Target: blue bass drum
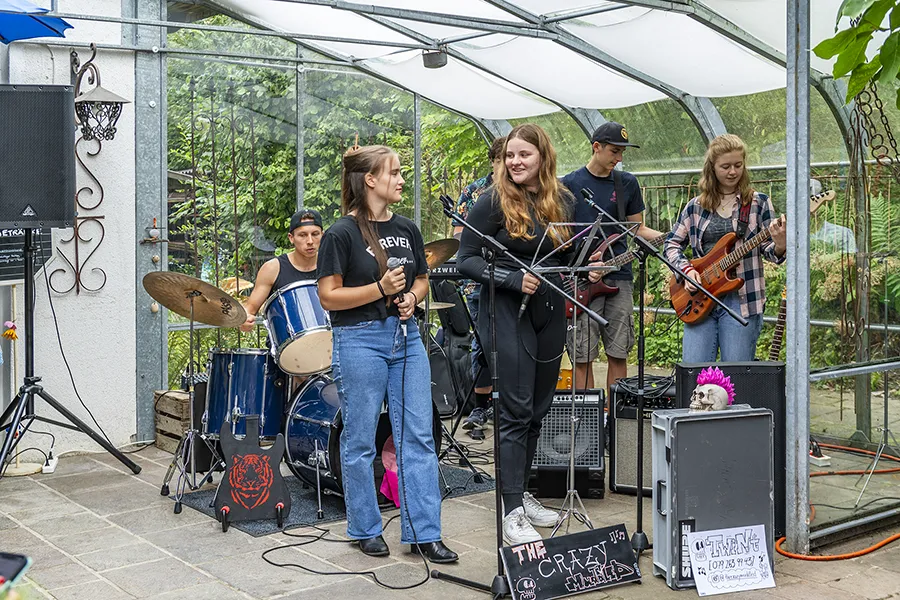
(299, 329)
(313, 433)
(243, 382)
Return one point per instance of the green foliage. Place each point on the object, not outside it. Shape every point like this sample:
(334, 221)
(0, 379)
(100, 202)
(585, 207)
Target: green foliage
(850, 45)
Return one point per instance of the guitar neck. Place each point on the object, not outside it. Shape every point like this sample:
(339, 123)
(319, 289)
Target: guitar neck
(734, 257)
(627, 257)
(778, 338)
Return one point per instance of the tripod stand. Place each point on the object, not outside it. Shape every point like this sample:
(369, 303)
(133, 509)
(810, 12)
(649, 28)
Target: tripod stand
(22, 409)
(185, 457)
(886, 434)
(643, 250)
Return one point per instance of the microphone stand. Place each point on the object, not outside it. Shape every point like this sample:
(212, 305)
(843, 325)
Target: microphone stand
(639, 541)
(499, 587)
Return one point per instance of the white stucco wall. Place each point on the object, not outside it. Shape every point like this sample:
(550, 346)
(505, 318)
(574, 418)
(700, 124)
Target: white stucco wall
(97, 328)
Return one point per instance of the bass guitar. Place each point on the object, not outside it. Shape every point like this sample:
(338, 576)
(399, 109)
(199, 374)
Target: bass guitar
(717, 272)
(587, 291)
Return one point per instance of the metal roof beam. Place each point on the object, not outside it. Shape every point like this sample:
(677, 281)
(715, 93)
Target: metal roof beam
(492, 25)
(701, 110)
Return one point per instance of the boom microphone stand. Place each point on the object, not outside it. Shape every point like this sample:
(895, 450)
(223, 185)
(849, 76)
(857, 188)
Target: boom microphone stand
(22, 406)
(643, 250)
(499, 586)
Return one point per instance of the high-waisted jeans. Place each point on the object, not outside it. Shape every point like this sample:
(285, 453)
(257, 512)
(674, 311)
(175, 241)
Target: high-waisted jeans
(373, 361)
(719, 331)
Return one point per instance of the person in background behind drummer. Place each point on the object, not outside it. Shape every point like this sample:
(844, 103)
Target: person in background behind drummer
(724, 191)
(525, 199)
(299, 264)
(479, 415)
(379, 354)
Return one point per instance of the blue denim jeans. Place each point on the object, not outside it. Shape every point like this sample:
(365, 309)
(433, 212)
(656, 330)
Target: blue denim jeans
(370, 362)
(719, 331)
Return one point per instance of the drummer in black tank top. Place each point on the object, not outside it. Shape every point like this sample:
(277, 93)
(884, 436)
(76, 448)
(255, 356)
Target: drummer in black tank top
(297, 265)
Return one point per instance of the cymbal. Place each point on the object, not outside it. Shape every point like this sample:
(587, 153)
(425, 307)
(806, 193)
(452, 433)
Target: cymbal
(436, 305)
(211, 305)
(235, 285)
(438, 251)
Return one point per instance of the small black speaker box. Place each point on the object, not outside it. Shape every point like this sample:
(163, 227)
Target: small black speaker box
(551, 460)
(761, 385)
(623, 439)
(37, 154)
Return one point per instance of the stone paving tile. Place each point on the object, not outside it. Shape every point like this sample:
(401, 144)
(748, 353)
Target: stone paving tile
(872, 583)
(205, 591)
(114, 558)
(13, 486)
(119, 499)
(802, 590)
(107, 538)
(6, 523)
(818, 571)
(158, 517)
(69, 465)
(83, 482)
(43, 555)
(28, 591)
(252, 575)
(205, 542)
(78, 523)
(56, 507)
(149, 579)
(59, 576)
(90, 591)
(40, 498)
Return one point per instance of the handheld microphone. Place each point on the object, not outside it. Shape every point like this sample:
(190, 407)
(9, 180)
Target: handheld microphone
(524, 305)
(392, 263)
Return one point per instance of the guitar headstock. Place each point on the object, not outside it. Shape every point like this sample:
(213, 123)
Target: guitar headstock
(816, 201)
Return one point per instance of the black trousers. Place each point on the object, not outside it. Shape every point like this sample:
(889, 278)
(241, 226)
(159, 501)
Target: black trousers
(526, 385)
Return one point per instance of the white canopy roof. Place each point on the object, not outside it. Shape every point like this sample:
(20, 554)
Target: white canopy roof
(520, 58)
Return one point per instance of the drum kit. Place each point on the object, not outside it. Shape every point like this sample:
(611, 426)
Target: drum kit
(258, 381)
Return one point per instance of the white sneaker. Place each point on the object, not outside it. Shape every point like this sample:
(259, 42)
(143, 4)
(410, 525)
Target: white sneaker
(537, 514)
(517, 529)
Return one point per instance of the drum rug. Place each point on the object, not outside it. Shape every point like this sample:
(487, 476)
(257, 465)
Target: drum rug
(304, 505)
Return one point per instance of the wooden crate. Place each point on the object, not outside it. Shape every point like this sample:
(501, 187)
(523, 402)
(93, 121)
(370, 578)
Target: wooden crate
(173, 417)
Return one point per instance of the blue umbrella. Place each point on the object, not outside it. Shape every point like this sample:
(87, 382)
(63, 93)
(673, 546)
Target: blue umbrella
(20, 20)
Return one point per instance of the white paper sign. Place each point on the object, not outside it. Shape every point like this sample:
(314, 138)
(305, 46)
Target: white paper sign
(730, 560)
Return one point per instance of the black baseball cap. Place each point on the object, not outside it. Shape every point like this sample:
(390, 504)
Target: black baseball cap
(612, 133)
(305, 216)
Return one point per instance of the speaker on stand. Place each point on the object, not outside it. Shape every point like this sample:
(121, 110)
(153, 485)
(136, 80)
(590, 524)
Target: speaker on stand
(548, 477)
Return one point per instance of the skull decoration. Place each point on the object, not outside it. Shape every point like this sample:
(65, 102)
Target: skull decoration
(714, 391)
(526, 588)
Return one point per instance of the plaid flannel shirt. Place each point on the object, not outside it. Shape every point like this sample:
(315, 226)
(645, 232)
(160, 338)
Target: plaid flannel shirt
(693, 222)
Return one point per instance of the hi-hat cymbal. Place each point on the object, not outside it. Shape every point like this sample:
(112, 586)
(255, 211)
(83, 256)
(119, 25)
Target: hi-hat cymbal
(438, 251)
(436, 305)
(211, 305)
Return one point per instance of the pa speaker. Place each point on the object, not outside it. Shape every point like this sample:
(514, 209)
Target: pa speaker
(623, 439)
(556, 445)
(761, 385)
(37, 154)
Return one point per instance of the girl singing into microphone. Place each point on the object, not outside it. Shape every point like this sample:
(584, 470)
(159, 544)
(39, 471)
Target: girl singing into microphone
(379, 354)
(525, 199)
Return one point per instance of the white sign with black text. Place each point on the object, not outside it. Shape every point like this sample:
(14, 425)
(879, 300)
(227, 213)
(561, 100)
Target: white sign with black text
(730, 560)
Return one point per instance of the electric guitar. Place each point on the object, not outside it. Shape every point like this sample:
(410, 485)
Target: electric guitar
(717, 270)
(778, 339)
(587, 291)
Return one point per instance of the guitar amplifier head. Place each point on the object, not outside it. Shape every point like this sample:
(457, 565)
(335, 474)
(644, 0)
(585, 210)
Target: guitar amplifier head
(555, 443)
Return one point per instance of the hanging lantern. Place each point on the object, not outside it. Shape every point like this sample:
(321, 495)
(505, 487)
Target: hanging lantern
(98, 110)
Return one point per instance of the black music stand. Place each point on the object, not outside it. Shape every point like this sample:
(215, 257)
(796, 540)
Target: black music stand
(21, 409)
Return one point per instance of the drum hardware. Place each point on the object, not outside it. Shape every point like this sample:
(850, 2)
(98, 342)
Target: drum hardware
(321, 460)
(426, 305)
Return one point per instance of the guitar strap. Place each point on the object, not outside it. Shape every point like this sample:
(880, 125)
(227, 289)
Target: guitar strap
(743, 220)
(620, 200)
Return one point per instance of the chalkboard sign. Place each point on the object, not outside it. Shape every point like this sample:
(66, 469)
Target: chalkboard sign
(12, 253)
(571, 564)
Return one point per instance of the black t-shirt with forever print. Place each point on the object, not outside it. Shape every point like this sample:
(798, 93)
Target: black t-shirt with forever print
(344, 252)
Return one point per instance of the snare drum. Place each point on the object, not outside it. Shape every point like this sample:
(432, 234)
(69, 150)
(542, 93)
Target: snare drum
(299, 329)
(313, 434)
(243, 382)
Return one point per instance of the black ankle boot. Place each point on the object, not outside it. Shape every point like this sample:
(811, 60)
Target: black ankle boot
(435, 552)
(375, 546)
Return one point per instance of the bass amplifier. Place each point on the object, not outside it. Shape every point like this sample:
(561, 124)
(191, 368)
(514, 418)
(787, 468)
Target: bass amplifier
(623, 438)
(716, 484)
(548, 477)
(761, 385)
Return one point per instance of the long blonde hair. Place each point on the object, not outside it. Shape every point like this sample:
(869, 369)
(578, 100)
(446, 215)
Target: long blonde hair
(549, 204)
(357, 162)
(710, 195)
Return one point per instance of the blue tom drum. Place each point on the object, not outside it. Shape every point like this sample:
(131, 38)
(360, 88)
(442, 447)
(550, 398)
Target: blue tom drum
(313, 434)
(243, 382)
(299, 329)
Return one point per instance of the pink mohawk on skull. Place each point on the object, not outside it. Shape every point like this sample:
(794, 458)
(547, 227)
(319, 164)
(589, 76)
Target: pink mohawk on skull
(715, 376)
